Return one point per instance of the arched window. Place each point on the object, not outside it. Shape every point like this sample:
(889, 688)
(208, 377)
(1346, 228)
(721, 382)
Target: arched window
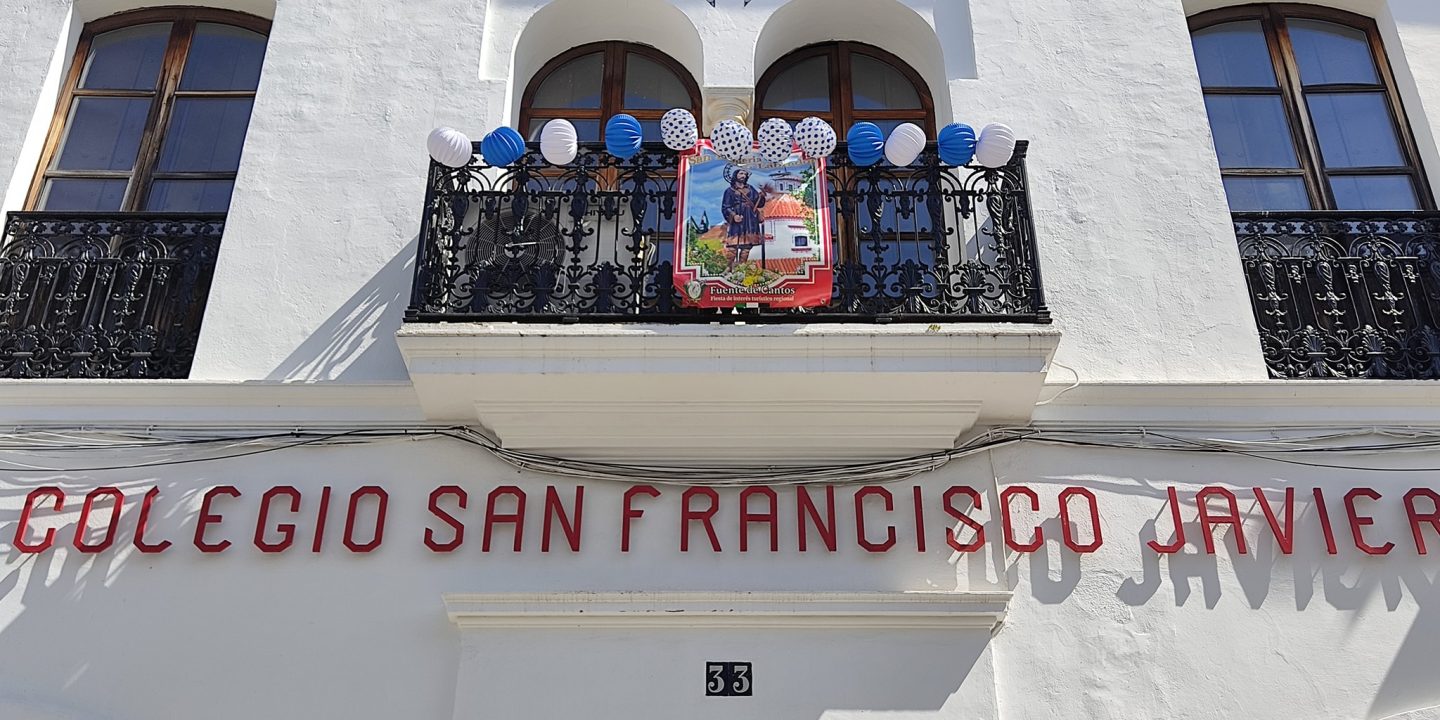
(845, 83)
(153, 113)
(1303, 110)
(588, 84)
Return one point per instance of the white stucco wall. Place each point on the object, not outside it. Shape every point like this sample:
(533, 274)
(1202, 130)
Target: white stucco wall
(1139, 261)
(1121, 633)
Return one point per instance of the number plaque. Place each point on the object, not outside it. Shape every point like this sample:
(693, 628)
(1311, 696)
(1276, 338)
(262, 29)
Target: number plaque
(728, 679)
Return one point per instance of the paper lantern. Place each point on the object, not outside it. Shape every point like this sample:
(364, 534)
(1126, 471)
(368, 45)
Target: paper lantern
(996, 146)
(678, 130)
(731, 140)
(623, 136)
(904, 145)
(776, 140)
(956, 144)
(816, 137)
(502, 147)
(866, 143)
(450, 147)
(558, 142)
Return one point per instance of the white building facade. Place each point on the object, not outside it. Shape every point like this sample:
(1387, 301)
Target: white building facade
(302, 424)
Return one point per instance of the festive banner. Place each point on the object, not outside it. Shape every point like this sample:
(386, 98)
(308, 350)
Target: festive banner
(752, 231)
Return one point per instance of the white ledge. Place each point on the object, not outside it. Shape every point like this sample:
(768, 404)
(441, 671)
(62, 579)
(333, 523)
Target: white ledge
(933, 610)
(1262, 404)
(789, 393)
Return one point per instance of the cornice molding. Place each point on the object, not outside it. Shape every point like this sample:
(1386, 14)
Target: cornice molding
(927, 610)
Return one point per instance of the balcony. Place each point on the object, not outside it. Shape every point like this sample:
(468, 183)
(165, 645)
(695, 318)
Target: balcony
(591, 242)
(543, 308)
(104, 295)
(1345, 294)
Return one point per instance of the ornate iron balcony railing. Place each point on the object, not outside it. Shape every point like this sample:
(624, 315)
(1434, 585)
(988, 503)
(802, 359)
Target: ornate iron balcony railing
(104, 295)
(592, 242)
(1345, 294)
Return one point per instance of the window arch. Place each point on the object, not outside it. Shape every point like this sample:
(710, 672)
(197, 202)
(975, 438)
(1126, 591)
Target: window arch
(588, 84)
(1304, 112)
(845, 83)
(153, 113)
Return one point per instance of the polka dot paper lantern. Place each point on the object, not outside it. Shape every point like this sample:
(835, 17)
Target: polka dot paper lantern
(731, 140)
(904, 144)
(776, 140)
(816, 138)
(956, 144)
(623, 136)
(559, 143)
(502, 147)
(996, 146)
(449, 147)
(678, 130)
(866, 143)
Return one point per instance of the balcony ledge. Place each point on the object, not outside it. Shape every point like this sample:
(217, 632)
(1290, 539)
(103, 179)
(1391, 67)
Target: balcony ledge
(741, 393)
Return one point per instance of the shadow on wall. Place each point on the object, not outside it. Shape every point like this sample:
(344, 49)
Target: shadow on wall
(1348, 580)
(357, 342)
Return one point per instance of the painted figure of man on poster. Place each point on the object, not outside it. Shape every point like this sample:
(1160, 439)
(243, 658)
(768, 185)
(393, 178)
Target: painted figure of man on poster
(741, 208)
(770, 244)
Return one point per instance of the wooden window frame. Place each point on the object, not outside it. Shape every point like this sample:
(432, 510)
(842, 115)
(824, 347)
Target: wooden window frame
(1274, 19)
(612, 95)
(144, 172)
(842, 113)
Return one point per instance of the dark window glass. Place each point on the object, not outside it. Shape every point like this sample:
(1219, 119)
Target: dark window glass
(805, 87)
(879, 86)
(1355, 130)
(1329, 54)
(1251, 131)
(595, 82)
(126, 59)
(190, 195)
(157, 113)
(1374, 192)
(1266, 193)
(1233, 55)
(223, 57)
(1327, 133)
(652, 86)
(206, 134)
(87, 194)
(577, 84)
(103, 134)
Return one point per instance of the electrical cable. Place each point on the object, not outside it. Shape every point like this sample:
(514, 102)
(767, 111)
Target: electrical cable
(199, 445)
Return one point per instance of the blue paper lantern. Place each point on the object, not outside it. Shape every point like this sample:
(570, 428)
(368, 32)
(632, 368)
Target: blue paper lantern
(623, 136)
(503, 146)
(956, 144)
(866, 143)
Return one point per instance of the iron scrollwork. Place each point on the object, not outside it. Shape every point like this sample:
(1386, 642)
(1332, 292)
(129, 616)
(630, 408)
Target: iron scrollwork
(1345, 295)
(118, 295)
(591, 242)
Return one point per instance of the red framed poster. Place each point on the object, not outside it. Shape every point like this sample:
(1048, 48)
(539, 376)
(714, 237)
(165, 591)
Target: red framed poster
(752, 231)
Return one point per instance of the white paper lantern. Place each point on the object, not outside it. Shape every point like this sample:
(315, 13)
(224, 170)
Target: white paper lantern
(558, 142)
(678, 130)
(450, 147)
(904, 144)
(776, 140)
(815, 136)
(731, 140)
(996, 146)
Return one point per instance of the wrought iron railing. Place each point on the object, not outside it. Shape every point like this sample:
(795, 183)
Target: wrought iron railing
(112, 295)
(592, 242)
(1345, 294)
